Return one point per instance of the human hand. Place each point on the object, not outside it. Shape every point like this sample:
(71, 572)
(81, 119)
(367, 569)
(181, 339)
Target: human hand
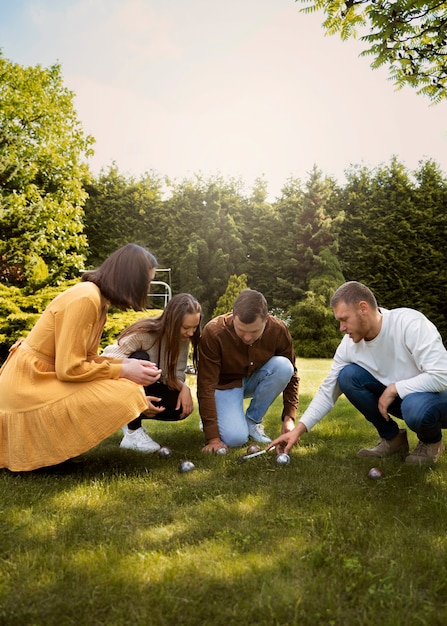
(286, 441)
(386, 400)
(213, 445)
(153, 410)
(141, 372)
(185, 402)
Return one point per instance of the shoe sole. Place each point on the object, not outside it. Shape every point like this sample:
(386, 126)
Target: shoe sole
(367, 454)
(139, 450)
(264, 440)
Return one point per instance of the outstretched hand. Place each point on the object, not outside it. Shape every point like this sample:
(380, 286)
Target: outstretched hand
(286, 441)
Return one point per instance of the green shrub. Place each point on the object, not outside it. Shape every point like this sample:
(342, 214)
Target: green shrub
(20, 310)
(313, 328)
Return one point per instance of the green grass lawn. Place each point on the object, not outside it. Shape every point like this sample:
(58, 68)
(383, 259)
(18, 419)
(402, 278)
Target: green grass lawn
(126, 538)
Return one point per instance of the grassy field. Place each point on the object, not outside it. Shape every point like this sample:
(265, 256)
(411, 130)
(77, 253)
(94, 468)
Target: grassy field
(125, 538)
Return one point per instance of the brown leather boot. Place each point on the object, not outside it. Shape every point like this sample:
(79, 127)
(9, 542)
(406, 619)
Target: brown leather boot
(425, 453)
(387, 447)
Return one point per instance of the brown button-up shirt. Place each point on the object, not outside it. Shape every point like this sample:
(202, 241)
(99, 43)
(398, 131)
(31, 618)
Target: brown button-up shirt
(224, 360)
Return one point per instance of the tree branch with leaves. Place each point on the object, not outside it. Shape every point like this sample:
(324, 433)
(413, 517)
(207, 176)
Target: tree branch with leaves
(409, 37)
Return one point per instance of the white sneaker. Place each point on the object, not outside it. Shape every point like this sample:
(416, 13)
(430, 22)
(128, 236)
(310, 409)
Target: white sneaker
(139, 440)
(256, 432)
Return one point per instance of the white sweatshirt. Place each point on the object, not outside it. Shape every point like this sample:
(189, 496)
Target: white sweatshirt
(408, 351)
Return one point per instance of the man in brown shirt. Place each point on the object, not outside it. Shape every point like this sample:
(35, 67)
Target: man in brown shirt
(244, 354)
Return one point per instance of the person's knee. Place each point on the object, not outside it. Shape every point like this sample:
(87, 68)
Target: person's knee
(233, 434)
(415, 413)
(281, 367)
(346, 377)
(234, 440)
(139, 354)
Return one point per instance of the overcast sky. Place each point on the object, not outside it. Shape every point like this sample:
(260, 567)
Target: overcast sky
(238, 87)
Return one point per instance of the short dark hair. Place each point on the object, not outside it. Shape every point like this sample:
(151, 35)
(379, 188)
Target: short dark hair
(249, 305)
(124, 277)
(353, 292)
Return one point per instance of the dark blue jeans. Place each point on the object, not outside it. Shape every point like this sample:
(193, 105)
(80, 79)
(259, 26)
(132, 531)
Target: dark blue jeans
(423, 412)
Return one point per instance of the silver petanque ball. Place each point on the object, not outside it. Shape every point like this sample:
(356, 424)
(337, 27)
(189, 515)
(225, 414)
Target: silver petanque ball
(221, 451)
(187, 466)
(164, 452)
(253, 448)
(283, 459)
(375, 473)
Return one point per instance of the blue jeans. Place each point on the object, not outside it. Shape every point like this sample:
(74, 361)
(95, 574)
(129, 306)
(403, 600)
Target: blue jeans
(423, 412)
(263, 386)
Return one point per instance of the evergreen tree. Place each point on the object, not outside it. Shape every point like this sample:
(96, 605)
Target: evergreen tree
(312, 324)
(200, 228)
(259, 223)
(121, 210)
(308, 231)
(235, 285)
(391, 238)
(428, 276)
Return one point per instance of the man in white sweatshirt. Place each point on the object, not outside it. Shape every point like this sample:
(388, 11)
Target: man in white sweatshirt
(389, 363)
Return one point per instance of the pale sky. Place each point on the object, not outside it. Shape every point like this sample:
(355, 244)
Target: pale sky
(242, 88)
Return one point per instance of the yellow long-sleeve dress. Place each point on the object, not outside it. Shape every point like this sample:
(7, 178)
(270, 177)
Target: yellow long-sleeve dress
(58, 398)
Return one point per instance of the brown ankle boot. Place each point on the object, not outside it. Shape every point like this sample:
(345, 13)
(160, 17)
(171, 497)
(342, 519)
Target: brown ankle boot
(387, 447)
(425, 453)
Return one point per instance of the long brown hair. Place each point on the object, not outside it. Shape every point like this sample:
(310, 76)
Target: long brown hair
(167, 327)
(124, 277)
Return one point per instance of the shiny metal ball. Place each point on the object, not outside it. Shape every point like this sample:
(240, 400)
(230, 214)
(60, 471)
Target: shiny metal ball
(165, 452)
(221, 451)
(187, 466)
(375, 473)
(253, 448)
(283, 459)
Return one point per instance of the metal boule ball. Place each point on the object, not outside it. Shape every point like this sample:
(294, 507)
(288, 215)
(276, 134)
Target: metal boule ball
(375, 473)
(283, 459)
(165, 452)
(253, 448)
(221, 451)
(187, 466)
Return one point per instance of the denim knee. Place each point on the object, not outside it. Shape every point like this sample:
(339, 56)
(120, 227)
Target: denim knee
(346, 376)
(425, 410)
(281, 367)
(234, 439)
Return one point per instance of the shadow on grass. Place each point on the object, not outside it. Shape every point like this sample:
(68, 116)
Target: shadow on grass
(125, 537)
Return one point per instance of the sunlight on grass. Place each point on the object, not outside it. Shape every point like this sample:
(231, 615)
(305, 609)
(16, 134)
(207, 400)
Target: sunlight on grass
(127, 538)
(312, 372)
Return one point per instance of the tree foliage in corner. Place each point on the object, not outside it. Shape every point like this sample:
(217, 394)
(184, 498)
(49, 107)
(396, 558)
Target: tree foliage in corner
(409, 37)
(42, 171)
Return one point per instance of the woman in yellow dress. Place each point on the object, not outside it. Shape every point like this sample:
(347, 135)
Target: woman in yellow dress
(58, 398)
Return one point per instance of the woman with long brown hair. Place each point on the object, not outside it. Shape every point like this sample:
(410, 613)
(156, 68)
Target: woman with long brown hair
(166, 342)
(58, 398)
